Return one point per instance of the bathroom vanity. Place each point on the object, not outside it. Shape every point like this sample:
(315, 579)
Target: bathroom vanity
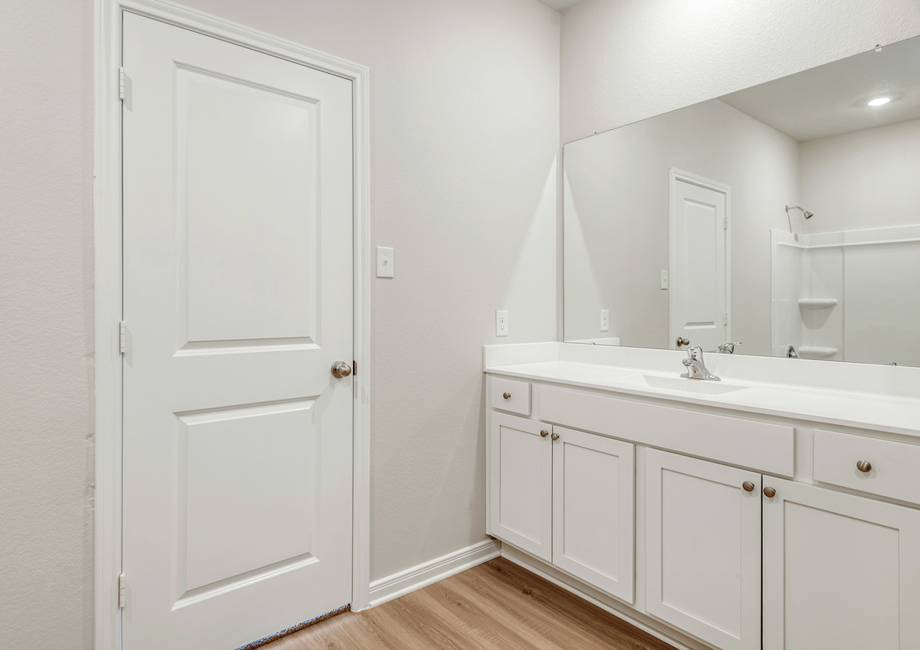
(776, 508)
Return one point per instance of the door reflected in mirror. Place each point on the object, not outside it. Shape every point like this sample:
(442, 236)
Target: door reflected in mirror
(785, 216)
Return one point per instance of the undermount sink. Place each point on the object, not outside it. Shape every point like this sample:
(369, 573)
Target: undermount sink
(684, 385)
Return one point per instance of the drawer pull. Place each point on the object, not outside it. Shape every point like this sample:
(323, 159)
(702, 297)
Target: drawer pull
(864, 466)
(544, 433)
(506, 395)
(769, 492)
(748, 486)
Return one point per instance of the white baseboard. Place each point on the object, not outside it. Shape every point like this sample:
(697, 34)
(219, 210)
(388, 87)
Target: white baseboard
(430, 572)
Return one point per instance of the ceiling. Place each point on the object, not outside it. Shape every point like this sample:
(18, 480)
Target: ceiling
(559, 5)
(833, 99)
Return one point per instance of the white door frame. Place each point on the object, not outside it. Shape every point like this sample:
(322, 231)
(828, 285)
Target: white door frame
(107, 237)
(675, 175)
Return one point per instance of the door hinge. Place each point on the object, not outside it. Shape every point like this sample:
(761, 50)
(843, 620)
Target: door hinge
(725, 319)
(724, 223)
(124, 87)
(121, 591)
(122, 336)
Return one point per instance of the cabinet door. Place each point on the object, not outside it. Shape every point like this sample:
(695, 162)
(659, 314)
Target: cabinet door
(839, 571)
(521, 484)
(702, 549)
(593, 497)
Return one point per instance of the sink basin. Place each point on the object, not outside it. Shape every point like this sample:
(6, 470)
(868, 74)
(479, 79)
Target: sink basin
(681, 384)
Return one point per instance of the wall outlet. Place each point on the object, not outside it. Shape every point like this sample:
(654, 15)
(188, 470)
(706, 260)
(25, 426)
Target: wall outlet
(501, 322)
(384, 262)
(605, 320)
(664, 280)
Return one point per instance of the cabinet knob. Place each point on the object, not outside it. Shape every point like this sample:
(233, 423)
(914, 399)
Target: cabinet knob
(748, 486)
(769, 492)
(864, 466)
(506, 395)
(682, 341)
(544, 433)
(555, 436)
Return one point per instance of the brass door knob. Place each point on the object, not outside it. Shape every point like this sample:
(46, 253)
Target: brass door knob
(682, 341)
(555, 436)
(864, 466)
(544, 433)
(748, 486)
(340, 369)
(769, 492)
(506, 395)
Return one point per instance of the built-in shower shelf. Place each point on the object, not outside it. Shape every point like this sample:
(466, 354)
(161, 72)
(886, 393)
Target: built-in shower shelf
(817, 303)
(812, 352)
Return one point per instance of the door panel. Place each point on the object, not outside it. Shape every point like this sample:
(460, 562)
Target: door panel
(840, 571)
(699, 273)
(703, 549)
(237, 299)
(521, 508)
(593, 510)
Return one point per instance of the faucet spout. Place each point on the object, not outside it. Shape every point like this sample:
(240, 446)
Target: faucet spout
(696, 369)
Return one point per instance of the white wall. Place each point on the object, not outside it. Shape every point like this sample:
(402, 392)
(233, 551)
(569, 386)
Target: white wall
(46, 321)
(465, 131)
(860, 180)
(625, 60)
(616, 219)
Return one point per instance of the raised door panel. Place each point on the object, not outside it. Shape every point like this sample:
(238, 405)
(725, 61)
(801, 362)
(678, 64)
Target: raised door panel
(521, 484)
(840, 571)
(593, 510)
(703, 549)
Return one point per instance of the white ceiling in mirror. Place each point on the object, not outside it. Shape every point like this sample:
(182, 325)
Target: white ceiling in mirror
(560, 5)
(834, 98)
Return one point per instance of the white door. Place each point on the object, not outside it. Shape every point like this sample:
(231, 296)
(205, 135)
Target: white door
(593, 510)
(699, 263)
(702, 549)
(237, 301)
(521, 484)
(839, 571)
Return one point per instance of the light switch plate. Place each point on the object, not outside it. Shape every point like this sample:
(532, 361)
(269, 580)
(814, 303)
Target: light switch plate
(605, 320)
(384, 262)
(664, 280)
(501, 322)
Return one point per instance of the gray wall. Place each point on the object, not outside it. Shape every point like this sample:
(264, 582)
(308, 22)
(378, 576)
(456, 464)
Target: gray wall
(46, 322)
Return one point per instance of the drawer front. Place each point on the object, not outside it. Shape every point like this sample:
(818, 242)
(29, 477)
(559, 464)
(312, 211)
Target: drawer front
(768, 448)
(510, 395)
(894, 467)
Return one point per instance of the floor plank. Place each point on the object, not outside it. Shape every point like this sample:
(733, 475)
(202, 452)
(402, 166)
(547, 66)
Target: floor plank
(494, 606)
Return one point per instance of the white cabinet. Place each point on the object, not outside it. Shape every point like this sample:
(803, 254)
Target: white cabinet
(702, 549)
(593, 503)
(839, 571)
(521, 484)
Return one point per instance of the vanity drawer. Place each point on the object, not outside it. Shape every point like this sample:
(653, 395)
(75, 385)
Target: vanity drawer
(766, 447)
(510, 395)
(894, 467)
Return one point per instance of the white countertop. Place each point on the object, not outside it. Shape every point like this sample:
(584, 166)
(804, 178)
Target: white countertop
(835, 406)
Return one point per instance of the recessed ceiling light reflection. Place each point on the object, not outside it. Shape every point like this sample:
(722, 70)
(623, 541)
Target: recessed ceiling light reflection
(879, 101)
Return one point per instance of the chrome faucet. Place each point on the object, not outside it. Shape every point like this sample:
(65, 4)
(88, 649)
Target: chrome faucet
(791, 353)
(729, 348)
(696, 369)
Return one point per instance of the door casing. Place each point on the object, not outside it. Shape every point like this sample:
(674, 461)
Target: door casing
(107, 237)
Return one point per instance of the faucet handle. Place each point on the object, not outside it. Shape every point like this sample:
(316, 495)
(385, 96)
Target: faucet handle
(686, 361)
(695, 353)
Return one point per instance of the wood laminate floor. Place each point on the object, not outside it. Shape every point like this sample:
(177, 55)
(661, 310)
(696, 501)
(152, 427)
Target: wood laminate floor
(495, 606)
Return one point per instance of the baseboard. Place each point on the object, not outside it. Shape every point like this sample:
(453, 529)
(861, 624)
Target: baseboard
(605, 602)
(430, 572)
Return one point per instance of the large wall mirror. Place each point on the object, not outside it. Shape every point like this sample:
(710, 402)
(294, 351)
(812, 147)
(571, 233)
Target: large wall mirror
(785, 216)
